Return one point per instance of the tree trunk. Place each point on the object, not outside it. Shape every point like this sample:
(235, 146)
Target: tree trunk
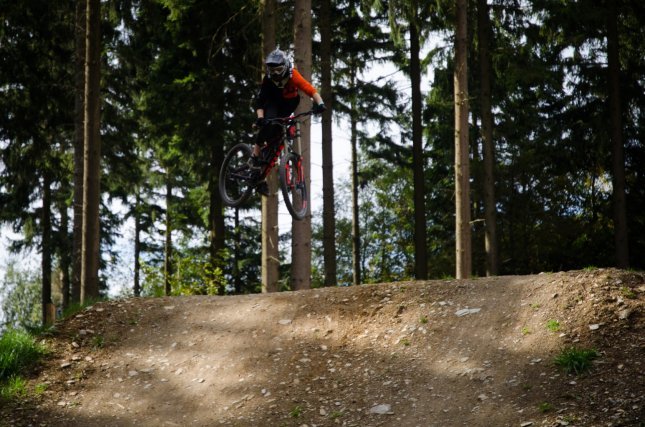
(92, 155)
(137, 244)
(356, 229)
(301, 230)
(216, 207)
(46, 252)
(329, 211)
(79, 111)
(270, 232)
(490, 212)
(237, 253)
(167, 265)
(618, 155)
(64, 251)
(462, 172)
(420, 249)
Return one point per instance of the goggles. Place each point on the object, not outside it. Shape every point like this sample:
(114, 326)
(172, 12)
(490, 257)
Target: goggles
(277, 70)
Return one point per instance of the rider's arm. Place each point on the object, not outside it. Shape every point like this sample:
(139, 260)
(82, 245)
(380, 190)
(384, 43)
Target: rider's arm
(304, 85)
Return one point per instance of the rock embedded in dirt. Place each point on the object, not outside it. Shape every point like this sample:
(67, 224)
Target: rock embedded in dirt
(382, 409)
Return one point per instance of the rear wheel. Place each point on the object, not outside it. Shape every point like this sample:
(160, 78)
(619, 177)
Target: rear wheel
(236, 177)
(294, 186)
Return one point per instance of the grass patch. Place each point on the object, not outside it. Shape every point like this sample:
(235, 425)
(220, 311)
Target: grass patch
(575, 360)
(98, 342)
(296, 412)
(553, 325)
(335, 414)
(545, 407)
(18, 351)
(40, 388)
(14, 387)
(628, 292)
(76, 308)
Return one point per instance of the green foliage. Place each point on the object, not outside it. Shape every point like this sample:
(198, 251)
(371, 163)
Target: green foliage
(333, 415)
(553, 325)
(575, 360)
(296, 412)
(98, 342)
(627, 292)
(12, 388)
(18, 351)
(193, 274)
(20, 299)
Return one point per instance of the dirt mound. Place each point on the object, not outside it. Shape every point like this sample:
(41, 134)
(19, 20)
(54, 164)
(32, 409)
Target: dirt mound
(436, 353)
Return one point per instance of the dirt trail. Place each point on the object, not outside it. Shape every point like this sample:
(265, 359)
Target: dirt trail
(436, 353)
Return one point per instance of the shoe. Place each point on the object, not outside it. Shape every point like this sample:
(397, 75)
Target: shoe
(254, 162)
(255, 166)
(263, 188)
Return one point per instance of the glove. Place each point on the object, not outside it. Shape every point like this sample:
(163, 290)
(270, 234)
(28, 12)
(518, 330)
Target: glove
(319, 108)
(261, 122)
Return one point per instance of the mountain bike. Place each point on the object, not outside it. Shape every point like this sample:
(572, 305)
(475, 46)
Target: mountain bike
(237, 179)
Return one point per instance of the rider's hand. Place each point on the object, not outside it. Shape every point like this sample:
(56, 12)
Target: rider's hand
(319, 108)
(261, 122)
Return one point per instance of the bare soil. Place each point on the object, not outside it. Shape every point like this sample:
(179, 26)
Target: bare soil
(436, 353)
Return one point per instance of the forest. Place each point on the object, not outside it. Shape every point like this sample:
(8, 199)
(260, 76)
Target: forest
(523, 153)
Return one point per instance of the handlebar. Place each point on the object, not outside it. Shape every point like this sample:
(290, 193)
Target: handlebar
(291, 118)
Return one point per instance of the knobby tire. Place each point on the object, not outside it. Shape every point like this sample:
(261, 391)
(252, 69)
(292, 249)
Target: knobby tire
(235, 177)
(293, 185)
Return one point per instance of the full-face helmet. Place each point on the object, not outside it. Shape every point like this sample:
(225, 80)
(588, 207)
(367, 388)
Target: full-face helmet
(278, 67)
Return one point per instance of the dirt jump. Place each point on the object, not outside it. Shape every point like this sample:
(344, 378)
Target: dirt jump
(478, 352)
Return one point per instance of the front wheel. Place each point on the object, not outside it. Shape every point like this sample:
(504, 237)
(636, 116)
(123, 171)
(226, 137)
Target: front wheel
(235, 176)
(294, 186)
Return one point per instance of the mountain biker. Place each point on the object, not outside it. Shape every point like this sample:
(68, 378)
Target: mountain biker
(278, 97)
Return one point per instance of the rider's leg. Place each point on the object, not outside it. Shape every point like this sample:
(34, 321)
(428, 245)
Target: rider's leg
(265, 133)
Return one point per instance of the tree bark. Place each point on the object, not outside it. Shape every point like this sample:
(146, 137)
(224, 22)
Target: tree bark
(137, 244)
(79, 111)
(618, 154)
(216, 218)
(65, 255)
(92, 154)
(356, 228)
(329, 210)
(301, 230)
(462, 169)
(168, 267)
(490, 212)
(270, 232)
(46, 252)
(418, 162)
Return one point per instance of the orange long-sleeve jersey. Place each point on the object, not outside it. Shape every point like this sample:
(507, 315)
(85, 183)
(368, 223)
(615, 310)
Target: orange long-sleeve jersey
(272, 94)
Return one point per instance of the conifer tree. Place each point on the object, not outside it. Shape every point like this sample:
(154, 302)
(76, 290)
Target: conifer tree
(301, 234)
